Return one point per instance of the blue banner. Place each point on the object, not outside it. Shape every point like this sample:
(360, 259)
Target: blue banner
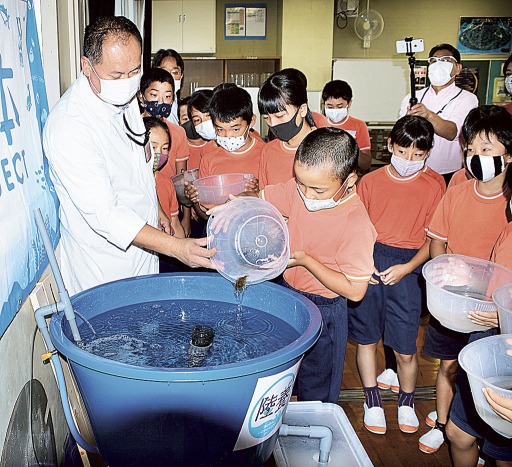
(24, 181)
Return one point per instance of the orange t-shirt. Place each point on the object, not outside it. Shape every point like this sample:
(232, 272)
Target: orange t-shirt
(197, 151)
(321, 121)
(502, 251)
(166, 195)
(276, 165)
(459, 177)
(341, 238)
(220, 161)
(468, 221)
(436, 176)
(357, 128)
(400, 208)
(178, 151)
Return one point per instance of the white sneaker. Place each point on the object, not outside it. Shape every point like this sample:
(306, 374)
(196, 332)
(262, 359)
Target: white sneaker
(431, 441)
(374, 420)
(431, 419)
(388, 379)
(407, 419)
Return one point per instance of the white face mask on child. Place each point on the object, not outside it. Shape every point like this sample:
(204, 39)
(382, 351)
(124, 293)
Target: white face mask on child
(336, 115)
(232, 143)
(406, 168)
(319, 204)
(206, 130)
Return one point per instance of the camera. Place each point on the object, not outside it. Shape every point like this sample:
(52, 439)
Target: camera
(410, 46)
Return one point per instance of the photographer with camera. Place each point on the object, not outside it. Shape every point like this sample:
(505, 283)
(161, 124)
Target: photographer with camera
(445, 105)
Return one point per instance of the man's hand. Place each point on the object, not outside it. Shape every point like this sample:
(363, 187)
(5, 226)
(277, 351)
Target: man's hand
(298, 258)
(419, 110)
(190, 251)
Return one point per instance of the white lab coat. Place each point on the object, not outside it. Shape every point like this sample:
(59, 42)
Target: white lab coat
(105, 187)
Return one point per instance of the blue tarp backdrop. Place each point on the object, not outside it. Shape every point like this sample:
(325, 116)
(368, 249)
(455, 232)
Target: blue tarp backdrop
(24, 181)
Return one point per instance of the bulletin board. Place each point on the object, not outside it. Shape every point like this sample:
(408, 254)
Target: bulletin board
(378, 86)
(245, 22)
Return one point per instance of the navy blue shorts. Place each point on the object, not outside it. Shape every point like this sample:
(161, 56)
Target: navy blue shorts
(464, 415)
(443, 343)
(321, 370)
(389, 312)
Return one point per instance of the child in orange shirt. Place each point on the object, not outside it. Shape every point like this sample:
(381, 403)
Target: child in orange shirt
(468, 221)
(156, 96)
(197, 146)
(337, 97)
(230, 111)
(401, 199)
(331, 240)
(160, 141)
(283, 104)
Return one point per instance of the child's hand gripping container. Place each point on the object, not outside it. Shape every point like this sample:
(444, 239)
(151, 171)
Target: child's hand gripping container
(502, 297)
(458, 285)
(179, 184)
(252, 241)
(489, 365)
(216, 189)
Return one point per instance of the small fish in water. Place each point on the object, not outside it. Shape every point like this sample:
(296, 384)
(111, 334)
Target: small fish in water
(240, 283)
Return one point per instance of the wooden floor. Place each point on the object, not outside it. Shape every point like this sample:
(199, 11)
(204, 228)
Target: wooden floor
(395, 448)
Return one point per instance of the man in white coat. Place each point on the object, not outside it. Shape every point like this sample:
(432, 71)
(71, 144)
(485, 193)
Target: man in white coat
(102, 169)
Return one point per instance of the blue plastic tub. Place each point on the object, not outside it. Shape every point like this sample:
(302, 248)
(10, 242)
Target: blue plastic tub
(187, 416)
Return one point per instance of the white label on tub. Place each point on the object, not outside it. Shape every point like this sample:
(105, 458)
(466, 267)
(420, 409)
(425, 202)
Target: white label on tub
(266, 410)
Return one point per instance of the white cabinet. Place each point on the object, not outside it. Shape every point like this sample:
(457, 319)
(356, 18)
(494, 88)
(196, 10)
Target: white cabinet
(187, 26)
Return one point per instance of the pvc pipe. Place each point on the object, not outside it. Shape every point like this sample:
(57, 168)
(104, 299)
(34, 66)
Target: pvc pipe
(63, 293)
(61, 382)
(323, 433)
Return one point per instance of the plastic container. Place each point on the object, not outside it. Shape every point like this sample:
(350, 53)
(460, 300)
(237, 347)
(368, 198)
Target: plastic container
(251, 238)
(487, 364)
(502, 297)
(179, 184)
(294, 451)
(216, 189)
(190, 417)
(467, 286)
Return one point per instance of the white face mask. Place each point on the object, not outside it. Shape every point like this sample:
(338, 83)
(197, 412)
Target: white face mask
(177, 85)
(406, 168)
(117, 91)
(439, 73)
(206, 130)
(319, 204)
(232, 143)
(508, 84)
(336, 115)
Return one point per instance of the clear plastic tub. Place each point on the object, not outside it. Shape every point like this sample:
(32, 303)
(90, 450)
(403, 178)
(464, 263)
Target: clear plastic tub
(502, 297)
(252, 241)
(216, 189)
(487, 364)
(458, 284)
(179, 184)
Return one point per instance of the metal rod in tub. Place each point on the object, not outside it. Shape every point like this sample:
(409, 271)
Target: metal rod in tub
(63, 293)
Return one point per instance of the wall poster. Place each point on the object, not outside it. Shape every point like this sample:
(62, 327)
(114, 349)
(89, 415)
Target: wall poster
(245, 22)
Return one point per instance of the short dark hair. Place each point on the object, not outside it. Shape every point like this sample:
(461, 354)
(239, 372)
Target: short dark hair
(184, 101)
(161, 54)
(223, 86)
(116, 27)
(230, 103)
(200, 101)
(489, 120)
(153, 122)
(449, 47)
(337, 89)
(155, 75)
(414, 131)
(330, 148)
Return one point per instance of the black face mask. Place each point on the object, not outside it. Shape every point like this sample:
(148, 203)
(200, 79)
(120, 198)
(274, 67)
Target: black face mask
(287, 130)
(190, 130)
